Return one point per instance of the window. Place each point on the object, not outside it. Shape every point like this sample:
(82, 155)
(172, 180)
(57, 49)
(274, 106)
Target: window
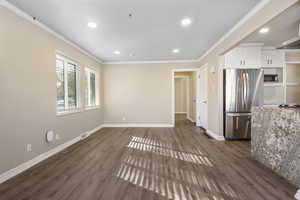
(92, 88)
(67, 85)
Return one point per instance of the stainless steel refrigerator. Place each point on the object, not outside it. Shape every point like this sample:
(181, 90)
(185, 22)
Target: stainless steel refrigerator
(243, 88)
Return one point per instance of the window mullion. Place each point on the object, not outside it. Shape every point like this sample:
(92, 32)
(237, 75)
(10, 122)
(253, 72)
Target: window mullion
(77, 85)
(97, 89)
(89, 88)
(66, 86)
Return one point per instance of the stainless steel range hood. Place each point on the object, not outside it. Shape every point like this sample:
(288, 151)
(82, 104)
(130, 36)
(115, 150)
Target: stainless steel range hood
(293, 43)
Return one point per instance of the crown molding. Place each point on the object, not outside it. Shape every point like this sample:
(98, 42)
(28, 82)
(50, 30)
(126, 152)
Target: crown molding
(252, 44)
(250, 14)
(149, 62)
(31, 19)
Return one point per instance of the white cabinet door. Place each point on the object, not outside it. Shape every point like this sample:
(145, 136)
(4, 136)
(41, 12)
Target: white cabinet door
(272, 58)
(252, 57)
(234, 58)
(265, 58)
(243, 57)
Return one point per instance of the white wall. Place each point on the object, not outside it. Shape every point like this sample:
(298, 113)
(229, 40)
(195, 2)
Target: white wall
(28, 91)
(193, 99)
(293, 79)
(142, 93)
(181, 95)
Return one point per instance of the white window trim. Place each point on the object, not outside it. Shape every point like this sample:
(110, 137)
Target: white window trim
(68, 112)
(87, 108)
(97, 89)
(77, 109)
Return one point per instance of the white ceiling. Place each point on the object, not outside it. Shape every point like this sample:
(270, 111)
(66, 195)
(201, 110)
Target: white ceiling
(282, 28)
(151, 34)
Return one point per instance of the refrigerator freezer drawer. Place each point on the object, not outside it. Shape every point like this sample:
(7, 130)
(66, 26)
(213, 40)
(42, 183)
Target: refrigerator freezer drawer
(238, 126)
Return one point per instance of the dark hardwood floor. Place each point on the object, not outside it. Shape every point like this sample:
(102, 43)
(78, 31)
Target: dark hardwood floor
(150, 164)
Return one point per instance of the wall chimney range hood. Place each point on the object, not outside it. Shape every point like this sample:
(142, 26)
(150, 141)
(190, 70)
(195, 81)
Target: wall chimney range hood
(293, 43)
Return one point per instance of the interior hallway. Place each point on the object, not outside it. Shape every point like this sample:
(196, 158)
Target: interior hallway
(182, 121)
(150, 163)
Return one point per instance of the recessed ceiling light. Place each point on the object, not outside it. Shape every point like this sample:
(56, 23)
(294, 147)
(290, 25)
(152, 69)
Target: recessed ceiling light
(117, 52)
(264, 30)
(92, 25)
(175, 51)
(186, 22)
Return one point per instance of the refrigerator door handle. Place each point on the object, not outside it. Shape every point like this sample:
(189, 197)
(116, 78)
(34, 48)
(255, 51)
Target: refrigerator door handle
(258, 84)
(238, 114)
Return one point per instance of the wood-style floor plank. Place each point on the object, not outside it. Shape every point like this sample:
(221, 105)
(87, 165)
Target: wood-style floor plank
(179, 163)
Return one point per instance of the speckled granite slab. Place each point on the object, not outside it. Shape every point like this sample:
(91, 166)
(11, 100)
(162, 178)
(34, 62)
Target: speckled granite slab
(276, 140)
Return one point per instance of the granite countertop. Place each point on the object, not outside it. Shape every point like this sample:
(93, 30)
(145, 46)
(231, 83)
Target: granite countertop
(276, 140)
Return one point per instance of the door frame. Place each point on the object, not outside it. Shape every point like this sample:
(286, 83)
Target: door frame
(173, 91)
(188, 92)
(198, 111)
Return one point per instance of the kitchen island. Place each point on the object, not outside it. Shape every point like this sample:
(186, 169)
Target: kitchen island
(276, 140)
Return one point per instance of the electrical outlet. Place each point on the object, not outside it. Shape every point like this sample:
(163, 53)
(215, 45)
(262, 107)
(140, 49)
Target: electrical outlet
(29, 147)
(57, 137)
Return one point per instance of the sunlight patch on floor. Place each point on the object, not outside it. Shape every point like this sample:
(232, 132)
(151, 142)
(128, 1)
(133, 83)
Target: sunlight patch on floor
(149, 146)
(175, 182)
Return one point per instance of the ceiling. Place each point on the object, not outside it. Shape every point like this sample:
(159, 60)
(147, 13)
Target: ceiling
(282, 28)
(152, 32)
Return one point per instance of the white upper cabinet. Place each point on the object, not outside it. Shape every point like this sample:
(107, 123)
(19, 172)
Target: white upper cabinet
(252, 57)
(234, 58)
(244, 57)
(272, 58)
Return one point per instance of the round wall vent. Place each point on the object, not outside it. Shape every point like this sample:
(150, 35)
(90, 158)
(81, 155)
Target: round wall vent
(49, 136)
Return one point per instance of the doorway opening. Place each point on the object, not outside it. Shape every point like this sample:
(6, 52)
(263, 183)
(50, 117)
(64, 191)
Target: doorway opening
(185, 97)
(189, 96)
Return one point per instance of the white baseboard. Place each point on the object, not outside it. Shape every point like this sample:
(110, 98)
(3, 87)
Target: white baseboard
(95, 130)
(23, 167)
(215, 136)
(297, 195)
(132, 125)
